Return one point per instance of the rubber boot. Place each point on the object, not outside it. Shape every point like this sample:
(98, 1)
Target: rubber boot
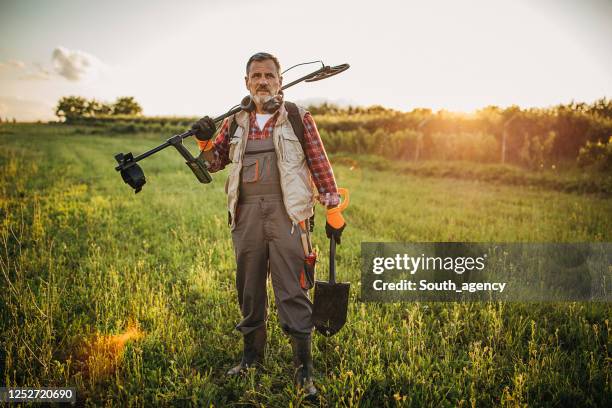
(302, 360)
(253, 352)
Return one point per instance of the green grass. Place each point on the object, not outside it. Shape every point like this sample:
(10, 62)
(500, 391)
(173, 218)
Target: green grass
(83, 256)
(567, 178)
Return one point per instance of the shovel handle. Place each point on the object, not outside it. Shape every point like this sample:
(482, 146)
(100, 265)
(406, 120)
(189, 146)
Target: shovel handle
(332, 260)
(332, 242)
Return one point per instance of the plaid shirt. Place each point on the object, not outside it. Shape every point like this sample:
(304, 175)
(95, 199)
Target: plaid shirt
(316, 158)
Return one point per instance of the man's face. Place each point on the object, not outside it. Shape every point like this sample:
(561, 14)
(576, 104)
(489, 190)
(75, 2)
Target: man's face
(263, 80)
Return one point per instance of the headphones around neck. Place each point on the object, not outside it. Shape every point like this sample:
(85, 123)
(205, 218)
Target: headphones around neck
(272, 105)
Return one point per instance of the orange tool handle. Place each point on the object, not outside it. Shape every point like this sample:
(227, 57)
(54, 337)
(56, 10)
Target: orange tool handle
(343, 192)
(343, 204)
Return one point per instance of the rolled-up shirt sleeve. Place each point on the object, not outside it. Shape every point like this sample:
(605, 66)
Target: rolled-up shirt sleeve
(319, 165)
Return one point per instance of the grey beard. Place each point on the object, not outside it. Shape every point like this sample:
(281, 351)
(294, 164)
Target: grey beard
(261, 99)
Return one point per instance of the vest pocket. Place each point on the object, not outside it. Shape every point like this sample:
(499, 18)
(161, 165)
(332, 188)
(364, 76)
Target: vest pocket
(232, 150)
(292, 148)
(250, 170)
(234, 142)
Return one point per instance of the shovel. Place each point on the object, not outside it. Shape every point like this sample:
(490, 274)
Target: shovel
(331, 298)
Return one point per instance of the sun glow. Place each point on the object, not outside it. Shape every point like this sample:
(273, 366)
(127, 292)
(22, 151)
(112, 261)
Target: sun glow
(101, 354)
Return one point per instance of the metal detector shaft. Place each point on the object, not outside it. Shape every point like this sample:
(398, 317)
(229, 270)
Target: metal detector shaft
(156, 149)
(317, 75)
(179, 137)
(133, 175)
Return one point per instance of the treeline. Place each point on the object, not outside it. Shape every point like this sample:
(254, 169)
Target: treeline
(72, 109)
(535, 137)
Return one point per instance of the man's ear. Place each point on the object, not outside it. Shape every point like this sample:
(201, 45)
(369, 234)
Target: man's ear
(246, 82)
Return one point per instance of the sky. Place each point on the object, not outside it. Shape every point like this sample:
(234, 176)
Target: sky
(187, 58)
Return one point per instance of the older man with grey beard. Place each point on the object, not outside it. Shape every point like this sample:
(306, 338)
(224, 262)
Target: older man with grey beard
(276, 177)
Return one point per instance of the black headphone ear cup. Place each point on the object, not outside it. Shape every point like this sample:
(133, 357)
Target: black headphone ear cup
(247, 104)
(274, 103)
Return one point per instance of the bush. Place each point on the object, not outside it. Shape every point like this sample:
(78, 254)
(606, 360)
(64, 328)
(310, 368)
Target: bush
(596, 154)
(480, 147)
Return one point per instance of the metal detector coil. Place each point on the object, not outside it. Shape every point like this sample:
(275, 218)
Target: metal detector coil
(328, 72)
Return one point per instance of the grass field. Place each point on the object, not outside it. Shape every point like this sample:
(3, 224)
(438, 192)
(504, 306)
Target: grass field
(130, 298)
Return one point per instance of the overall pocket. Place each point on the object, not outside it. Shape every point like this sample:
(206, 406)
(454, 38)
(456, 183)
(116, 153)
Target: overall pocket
(250, 170)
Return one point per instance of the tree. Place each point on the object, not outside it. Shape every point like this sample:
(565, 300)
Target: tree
(325, 108)
(127, 105)
(602, 107)
(97, 108)
(70, 108)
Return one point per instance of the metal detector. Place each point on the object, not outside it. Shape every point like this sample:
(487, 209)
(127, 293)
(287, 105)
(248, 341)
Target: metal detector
(132, 173)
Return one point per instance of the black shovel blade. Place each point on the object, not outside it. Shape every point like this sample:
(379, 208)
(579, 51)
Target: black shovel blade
(330, 307)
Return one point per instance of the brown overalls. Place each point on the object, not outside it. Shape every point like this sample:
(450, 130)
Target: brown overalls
(265, 240)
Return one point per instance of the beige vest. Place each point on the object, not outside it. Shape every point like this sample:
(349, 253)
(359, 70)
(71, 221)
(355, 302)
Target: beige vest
(295, 179)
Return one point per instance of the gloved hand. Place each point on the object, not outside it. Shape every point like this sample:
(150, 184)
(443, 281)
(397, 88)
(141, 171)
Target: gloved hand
(335, 224)
(204, 128)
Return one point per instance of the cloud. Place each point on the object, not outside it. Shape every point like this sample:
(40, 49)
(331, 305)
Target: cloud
(17, 64)
(75, 65)
(14, 69)
(13, 64)
(41, 74)
(37, 72)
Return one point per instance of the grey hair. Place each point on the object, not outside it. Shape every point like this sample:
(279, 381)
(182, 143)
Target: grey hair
(263, 56)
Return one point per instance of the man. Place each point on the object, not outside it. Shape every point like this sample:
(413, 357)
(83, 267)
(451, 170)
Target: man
(270, 195)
